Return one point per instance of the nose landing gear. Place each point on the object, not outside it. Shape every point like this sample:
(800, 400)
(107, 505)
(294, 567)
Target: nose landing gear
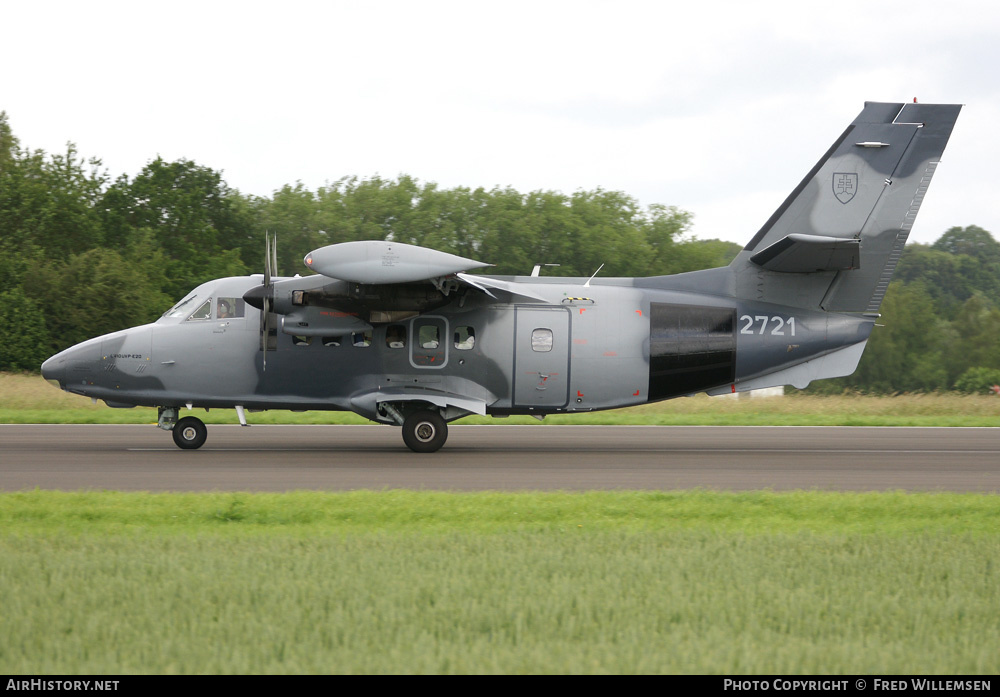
(189, 433)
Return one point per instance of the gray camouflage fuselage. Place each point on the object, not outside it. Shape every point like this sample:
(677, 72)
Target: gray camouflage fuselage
(613, 345)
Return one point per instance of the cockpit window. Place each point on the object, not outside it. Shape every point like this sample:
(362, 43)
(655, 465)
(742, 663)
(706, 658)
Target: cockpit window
(181, 308)
(203, 312)
(229, 308)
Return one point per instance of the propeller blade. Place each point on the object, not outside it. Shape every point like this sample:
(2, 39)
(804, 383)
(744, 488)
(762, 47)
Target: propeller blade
(274, 255)
(270, 264)
(267, 260)
(265, 327)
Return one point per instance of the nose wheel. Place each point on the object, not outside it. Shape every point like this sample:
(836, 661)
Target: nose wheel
(189, 433)
(424, 432)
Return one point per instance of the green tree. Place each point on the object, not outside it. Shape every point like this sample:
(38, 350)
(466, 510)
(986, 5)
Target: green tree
(93, 293)
(293, 216)
(26, 340)
(693, 254)
(8, 143)
(664, 227)
(963, 261)
(49, 202)
(941, 273)
(203, 227)
(976, 330)
(978, 380)
(971, 241)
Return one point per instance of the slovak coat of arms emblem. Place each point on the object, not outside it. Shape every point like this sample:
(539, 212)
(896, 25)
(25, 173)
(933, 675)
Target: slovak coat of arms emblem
(845, 185)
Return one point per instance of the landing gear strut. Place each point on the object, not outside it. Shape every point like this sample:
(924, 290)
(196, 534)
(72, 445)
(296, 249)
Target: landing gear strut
(424, 431)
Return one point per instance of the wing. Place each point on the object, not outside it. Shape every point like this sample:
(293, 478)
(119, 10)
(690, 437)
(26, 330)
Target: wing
(380, 262)
(369, 282)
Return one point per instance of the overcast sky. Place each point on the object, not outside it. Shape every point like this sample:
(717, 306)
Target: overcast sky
(717, 108)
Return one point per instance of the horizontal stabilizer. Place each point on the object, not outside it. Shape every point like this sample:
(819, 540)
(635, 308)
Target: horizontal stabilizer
(377, 262)
(835, 364)
(798, 253)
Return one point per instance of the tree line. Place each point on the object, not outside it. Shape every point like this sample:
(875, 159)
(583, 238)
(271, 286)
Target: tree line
(82, 254)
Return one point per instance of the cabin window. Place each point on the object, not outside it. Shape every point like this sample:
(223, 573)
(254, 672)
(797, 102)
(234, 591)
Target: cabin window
(301, 340)
(203, 312)
(361, 339)
(465, 338)
(429, 342)
(541, 340)
(230, 308)
(429, 336)
(395, 336)
(331, 340)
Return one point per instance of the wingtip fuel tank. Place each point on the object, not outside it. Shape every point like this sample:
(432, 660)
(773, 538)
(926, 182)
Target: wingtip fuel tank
(378, 261)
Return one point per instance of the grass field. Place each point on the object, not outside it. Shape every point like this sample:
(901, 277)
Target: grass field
(421, 582)
(29, 399)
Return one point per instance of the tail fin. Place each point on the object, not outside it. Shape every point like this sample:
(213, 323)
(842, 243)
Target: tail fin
(835, 241)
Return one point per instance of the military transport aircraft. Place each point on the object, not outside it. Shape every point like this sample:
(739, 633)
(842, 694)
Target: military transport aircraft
(403, 335)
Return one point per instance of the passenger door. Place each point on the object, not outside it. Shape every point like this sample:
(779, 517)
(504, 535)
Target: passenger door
(541, 357)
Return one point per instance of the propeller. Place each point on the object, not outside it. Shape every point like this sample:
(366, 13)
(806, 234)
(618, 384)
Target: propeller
(262, 297)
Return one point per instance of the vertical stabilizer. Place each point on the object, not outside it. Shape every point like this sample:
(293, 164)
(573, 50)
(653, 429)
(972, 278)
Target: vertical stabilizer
(835, 241)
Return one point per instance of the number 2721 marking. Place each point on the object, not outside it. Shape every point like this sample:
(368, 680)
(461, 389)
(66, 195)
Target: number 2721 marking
(778, 325)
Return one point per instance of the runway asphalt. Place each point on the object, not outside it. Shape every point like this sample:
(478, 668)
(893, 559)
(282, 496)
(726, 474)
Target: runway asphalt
(281, 458)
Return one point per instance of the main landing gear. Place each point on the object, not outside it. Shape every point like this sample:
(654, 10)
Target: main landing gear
(424, 431)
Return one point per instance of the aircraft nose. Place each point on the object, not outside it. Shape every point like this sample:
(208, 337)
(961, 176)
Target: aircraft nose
(76, 361)
(54, 371)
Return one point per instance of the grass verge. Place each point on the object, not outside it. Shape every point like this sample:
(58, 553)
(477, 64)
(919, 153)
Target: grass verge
(431, 582)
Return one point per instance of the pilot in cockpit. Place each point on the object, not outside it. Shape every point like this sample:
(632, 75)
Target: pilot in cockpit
(224, 310)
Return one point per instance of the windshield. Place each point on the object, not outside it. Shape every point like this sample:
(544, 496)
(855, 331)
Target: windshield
(181, 308)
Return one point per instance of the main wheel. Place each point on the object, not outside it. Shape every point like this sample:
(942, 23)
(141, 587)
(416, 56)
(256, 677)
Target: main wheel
(424, 431)
(189, 433)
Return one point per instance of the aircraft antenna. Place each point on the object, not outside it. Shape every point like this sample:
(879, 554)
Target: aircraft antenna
(587, 284)
(538, 268)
